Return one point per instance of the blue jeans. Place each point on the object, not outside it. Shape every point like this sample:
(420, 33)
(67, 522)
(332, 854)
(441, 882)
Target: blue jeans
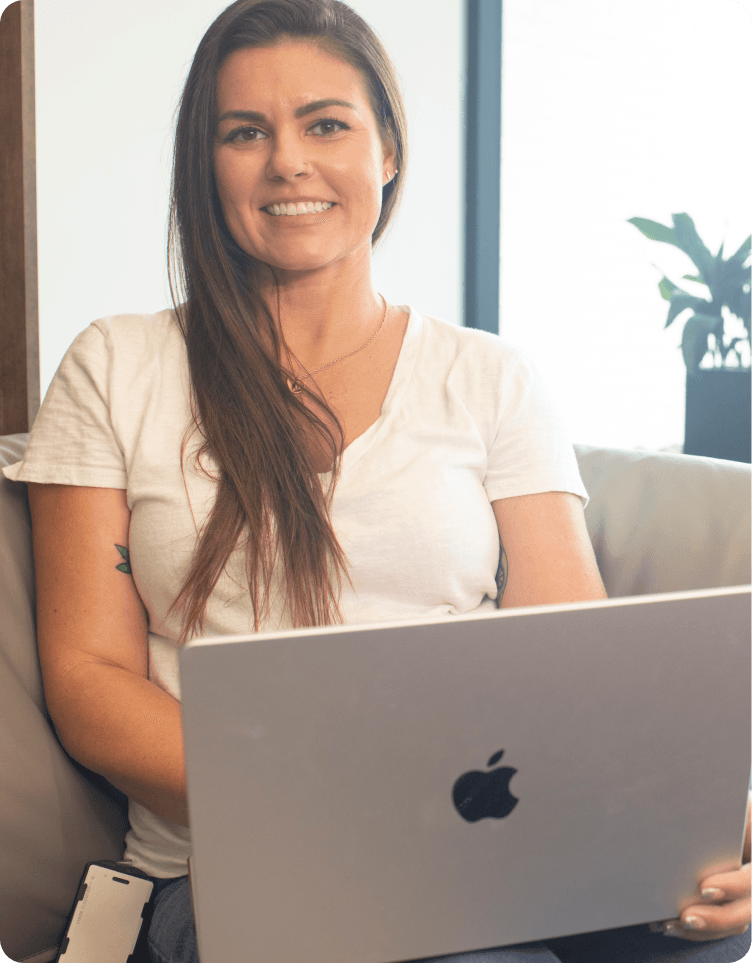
(172, 939)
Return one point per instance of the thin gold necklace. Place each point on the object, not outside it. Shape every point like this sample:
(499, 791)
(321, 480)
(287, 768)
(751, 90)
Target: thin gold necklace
(296, 384)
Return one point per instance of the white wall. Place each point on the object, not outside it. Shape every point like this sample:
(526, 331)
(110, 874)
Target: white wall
(610, 111)
(108, 79)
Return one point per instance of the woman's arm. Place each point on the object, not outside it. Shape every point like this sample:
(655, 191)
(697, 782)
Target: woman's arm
(93, 649)
(546, 552)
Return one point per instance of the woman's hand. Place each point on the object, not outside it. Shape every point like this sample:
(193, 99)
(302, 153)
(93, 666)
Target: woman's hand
(723, 907)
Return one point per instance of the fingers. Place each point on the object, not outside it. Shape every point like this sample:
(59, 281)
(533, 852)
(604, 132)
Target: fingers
(734, 884)
(703, 922)
(725, 909)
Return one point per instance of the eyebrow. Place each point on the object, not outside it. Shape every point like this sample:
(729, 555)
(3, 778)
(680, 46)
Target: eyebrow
(254, 115)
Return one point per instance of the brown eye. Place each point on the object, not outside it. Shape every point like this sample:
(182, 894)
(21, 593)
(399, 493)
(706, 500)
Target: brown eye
(237, 136)
(331, 122)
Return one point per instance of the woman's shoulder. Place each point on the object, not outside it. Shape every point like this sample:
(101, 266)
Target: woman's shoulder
(130, 345)
(120, 352)
(137, 331)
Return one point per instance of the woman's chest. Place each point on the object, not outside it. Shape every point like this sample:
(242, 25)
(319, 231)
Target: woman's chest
(355, 390)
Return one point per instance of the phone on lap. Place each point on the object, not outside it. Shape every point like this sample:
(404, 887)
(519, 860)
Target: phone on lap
(110, 913)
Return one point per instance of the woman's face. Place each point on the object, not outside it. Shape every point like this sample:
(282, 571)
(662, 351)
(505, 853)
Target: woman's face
(277, 142)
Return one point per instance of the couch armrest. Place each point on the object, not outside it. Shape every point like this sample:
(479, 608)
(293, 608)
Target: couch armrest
(55, 815)
(666, 523)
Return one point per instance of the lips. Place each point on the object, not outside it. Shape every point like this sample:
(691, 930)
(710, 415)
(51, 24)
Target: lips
(333, 203)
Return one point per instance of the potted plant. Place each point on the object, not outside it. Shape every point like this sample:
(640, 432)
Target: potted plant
(717, 361)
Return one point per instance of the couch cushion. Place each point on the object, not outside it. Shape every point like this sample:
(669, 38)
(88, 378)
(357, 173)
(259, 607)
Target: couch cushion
(666, 523)
(55, 816)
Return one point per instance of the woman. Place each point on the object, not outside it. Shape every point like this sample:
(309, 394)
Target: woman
(285, 448)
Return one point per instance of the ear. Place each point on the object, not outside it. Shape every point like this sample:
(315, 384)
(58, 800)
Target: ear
(390, 154)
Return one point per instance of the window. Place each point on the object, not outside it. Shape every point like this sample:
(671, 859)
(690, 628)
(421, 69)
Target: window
(611, 111)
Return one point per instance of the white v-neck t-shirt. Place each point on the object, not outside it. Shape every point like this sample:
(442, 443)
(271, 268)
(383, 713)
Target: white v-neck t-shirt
(465, 421)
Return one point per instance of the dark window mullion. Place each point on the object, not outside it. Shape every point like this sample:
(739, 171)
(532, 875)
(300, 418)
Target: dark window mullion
(482, 164)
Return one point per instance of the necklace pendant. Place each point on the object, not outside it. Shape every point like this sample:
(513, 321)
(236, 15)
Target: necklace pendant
(294, 385)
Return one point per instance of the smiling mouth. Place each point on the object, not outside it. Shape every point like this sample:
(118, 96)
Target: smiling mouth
(274, 210)
(294, 217)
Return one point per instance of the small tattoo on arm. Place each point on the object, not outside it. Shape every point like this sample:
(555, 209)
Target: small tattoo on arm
(502, 573)
(126, 565)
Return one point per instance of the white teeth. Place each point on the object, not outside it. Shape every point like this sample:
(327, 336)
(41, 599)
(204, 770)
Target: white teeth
(292, 210)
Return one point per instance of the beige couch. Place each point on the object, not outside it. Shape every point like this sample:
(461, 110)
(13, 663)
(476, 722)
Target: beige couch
(658, 523)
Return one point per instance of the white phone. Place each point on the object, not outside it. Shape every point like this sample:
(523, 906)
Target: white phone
(112, 905)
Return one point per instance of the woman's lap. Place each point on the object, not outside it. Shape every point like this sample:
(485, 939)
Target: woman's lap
(636, 944)
(172, 936)
(172, 939)
(632, 944)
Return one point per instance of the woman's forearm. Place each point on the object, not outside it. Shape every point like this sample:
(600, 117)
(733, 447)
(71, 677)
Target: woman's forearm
(128, 730)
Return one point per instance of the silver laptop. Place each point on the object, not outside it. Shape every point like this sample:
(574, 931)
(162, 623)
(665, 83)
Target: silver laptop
(388, 792)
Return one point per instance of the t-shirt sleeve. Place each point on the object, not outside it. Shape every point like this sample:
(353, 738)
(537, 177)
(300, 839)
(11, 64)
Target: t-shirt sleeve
(531, 451)
(72, 441)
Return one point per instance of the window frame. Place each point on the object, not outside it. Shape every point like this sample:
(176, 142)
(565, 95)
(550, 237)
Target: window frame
(482, 163)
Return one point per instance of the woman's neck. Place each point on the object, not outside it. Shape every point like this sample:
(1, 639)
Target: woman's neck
(320, 321)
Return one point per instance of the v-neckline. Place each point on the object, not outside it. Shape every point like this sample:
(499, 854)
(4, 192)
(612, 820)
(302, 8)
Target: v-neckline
(400, 379)
(201, 479)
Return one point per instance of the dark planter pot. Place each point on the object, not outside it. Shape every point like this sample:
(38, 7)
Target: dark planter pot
(718, 413)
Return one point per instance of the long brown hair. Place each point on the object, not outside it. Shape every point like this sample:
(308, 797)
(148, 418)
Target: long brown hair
(268, 489)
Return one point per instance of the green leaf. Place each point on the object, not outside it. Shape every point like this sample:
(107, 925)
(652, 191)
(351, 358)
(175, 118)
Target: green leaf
(733, 269)
(667, 289)
(654, 230)
(695, 339)
(728, 283)
(681, 301)
(689, 241)
(126, 565)
(742, 254)
(732, 289)
(738, 303)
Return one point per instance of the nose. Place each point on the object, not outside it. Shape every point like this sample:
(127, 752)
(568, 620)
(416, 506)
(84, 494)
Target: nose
(288, 156)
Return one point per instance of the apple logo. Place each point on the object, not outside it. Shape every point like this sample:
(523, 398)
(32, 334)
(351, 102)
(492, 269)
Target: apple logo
(478, 795)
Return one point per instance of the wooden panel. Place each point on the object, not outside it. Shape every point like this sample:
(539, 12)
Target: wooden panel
(19, 337)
